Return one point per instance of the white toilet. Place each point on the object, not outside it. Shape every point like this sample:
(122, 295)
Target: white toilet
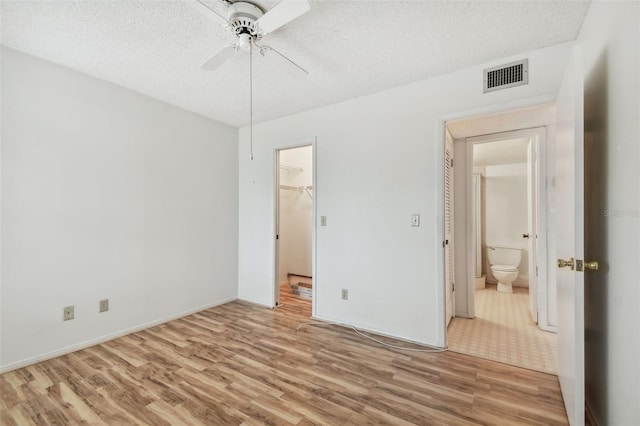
(504, 266)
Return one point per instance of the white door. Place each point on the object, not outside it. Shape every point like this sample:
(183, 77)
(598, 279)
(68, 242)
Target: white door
(569, 236)
(448, 226)
(532, 232)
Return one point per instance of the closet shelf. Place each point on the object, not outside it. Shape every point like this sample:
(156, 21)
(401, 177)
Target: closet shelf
(290, 168)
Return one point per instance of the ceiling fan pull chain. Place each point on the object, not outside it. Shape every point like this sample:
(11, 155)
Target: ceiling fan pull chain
(251, 100)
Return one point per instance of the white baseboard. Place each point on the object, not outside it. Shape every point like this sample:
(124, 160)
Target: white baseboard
(378, 332)
(111, 336)
(261, 304)
(547, 327)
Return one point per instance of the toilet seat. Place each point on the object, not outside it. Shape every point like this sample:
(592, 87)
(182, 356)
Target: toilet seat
(504, 268)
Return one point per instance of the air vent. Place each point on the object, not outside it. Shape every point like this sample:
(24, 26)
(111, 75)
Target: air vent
(505, 76)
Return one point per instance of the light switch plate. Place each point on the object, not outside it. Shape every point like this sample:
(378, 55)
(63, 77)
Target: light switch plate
(415, 220)
(323, 221)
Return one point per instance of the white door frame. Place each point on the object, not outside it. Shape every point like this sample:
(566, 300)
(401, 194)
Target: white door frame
(533, 217)
(538, 136)
(441, 122)
(276, 201)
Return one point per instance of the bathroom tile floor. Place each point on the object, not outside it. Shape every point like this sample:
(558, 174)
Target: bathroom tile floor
(503, 331)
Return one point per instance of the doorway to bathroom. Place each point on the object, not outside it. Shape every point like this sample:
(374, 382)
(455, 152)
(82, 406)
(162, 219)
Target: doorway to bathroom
(504, 310)
(294, 229)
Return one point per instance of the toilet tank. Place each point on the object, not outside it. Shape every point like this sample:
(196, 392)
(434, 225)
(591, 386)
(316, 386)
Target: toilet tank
(504, 256)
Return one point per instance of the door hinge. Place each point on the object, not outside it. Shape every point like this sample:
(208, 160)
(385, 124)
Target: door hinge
(453, 287)
(277, 237)
(452, 162)
(536, 271)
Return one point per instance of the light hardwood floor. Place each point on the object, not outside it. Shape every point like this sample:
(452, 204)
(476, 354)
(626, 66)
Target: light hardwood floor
(243, 364)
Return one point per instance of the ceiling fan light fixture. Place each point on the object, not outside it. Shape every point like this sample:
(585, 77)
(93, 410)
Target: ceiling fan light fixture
(242, 17)
(244, 42)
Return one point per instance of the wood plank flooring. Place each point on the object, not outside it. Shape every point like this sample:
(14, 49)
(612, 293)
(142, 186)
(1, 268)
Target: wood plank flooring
(240, 364)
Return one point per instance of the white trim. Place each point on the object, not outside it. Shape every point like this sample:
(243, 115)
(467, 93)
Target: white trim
(540, 134)
(441, 291)
(438, 205)
(510, 134)
(477, 232)
(312, 142)
(375, 331)
(254, 303)
(543, 235)
(468, 227)
(548, 98)
(111, 336)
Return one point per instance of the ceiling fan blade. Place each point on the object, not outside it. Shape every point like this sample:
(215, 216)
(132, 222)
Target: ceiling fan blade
(283, 13)
(206, 6)
(285, 64)
(219, 58)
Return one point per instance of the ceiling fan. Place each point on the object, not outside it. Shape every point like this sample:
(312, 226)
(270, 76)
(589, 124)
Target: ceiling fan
(250, 24)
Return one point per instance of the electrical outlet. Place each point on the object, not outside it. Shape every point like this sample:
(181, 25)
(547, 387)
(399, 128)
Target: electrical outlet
(104, 305)
(345, 294)
(67, 313)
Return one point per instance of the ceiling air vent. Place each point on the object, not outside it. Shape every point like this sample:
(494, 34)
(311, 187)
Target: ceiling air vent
(505, 76)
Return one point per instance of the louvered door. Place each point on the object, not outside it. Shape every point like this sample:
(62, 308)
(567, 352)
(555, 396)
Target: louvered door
(448, 227)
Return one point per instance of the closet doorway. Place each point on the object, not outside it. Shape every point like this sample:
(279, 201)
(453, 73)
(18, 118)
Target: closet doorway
(294, 228)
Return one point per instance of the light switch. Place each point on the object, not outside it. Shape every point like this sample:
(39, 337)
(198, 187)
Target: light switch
(415, 220)
(323, 221)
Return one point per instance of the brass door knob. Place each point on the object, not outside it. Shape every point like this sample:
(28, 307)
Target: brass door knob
(562, 263)
(591, 265)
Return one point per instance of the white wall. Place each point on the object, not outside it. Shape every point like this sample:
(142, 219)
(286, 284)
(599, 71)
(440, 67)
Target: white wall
(107, 194)
(506, 210)
(296, 214)
(610, 38)
(379, 159)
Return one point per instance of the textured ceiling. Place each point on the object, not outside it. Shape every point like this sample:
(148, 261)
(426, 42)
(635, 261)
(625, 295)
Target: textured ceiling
(350, 48)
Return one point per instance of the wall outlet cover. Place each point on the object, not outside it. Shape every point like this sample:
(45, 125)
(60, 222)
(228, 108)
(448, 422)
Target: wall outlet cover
(68, 313)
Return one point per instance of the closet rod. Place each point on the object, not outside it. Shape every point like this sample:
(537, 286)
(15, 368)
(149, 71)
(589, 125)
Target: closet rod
(295, 188)
(305, 189)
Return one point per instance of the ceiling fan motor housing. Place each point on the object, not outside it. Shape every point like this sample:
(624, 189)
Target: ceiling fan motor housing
(242, 17)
